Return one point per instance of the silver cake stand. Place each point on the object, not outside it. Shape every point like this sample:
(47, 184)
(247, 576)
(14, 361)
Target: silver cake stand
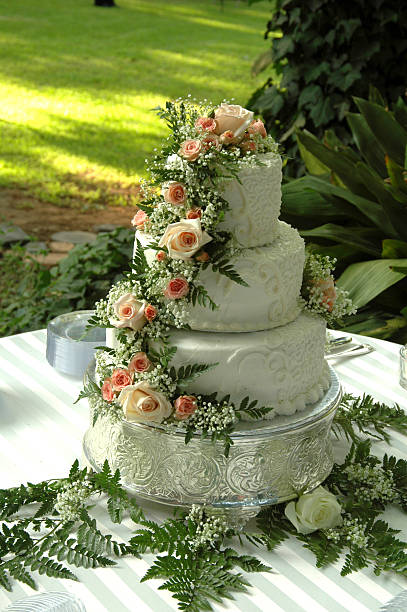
(269, 462)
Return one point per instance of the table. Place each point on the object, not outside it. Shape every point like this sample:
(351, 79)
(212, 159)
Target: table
(41, 434)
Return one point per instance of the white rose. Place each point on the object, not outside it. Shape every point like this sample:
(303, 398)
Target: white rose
(142, 403)
(184, 239)
(129, 313)
(317, 510)
(233, 118)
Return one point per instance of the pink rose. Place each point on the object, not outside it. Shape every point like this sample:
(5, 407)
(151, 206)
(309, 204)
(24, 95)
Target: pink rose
(139, 363)
(190, 149)
(257, 127)
(327, 287)
(194, 213)
(107, 390)
(150, 312)
(175, 193)
(121, 378)
(139, 219)
(205, 124)
(185, 405)
(161, 255)
(234, 118)
(211, 140)
(177, 288)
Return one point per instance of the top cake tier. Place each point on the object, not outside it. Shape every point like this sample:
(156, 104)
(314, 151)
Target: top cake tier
(254, 202)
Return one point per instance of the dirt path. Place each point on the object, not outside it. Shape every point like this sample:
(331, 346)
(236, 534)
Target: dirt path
(41, 220)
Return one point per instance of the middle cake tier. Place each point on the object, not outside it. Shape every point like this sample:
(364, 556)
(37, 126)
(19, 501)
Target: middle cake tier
(274, 274)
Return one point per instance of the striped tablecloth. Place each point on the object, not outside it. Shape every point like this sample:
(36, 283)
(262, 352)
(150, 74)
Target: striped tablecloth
(41, 434)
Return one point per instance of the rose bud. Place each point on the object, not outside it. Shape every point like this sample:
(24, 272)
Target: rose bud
(139, 219)
(194, 213)
(185, 405)
(121, 378)
(177, 288)
(206, 124)
(161, 255)
(107, 390)
(204, 256)
(139, 363)
(150, 312)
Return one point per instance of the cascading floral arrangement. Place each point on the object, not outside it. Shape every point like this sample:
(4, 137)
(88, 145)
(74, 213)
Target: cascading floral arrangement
(179, 234)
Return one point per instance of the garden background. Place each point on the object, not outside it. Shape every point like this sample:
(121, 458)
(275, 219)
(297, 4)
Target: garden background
(78, 84)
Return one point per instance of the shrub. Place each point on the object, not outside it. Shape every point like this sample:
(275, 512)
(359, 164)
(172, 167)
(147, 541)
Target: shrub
(31, 294)
(355, 209)
(328, 51)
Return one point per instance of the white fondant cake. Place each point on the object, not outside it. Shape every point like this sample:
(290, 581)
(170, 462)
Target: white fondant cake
(274, 275)
(282, 367)
(254, 201)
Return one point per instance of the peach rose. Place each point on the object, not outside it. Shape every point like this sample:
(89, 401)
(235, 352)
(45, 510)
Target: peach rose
(327, 287)
(161, 255)
(257, 127)
(129, 313)
(121, 378)
(139, 219)
(185, 405)
(107, 390)
(150, 312)
(140, 402)
(139, 363)
(205, 124)
(194, 213)
(190, 149)
(211, 140)
(177, 288)
(175, 193)
(234, 118)
(184, 239)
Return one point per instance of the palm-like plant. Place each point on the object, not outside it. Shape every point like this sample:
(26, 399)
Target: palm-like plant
(353, 206)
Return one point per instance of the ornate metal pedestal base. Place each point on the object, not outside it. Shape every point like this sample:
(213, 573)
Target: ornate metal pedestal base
(269, 462)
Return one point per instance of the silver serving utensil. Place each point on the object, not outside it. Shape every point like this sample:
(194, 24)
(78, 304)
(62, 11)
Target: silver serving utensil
(353, 351)
(334, 343)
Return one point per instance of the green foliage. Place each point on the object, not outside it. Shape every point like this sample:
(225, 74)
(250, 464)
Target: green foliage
(252, 410)
(42, 540)
(187, 374)
(195, 576)
(322, 53)
(360, 202)
(31, 295)
(365, 414)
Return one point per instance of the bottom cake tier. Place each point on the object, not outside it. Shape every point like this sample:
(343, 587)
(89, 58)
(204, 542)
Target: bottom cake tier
(283, 367)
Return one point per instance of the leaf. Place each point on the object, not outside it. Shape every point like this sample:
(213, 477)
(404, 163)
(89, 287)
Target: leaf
(367, 279)
(261, 62)
(342, 163)
(89, 390)
(367, 143)
(394, 248)
(352, 236)
(187, 374)
(389, 133)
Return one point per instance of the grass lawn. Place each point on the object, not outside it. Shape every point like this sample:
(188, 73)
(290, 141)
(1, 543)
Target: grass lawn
(78, 83)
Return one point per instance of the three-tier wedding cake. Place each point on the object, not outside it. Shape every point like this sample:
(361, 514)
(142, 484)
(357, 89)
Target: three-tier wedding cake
(217, 304)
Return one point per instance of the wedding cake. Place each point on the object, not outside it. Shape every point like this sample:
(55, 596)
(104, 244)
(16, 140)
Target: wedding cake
(221, 300)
